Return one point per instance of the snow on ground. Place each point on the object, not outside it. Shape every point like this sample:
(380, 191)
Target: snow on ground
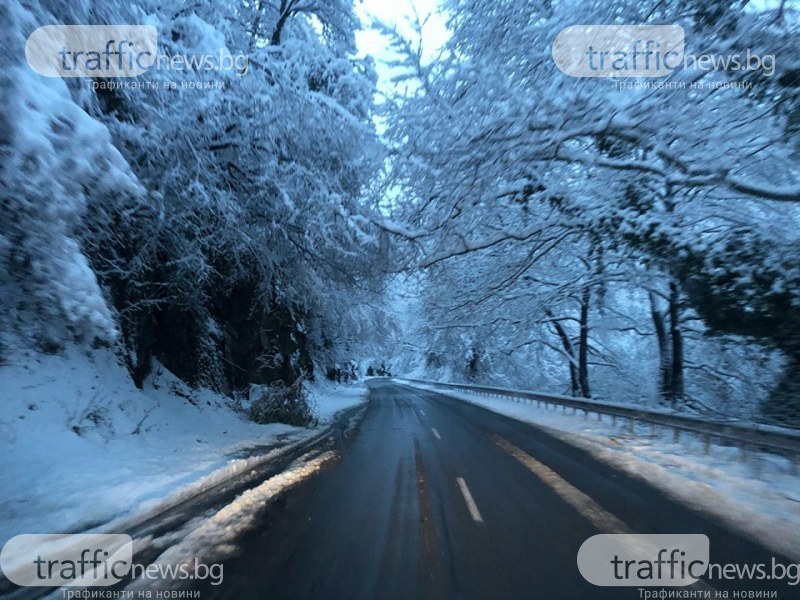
(756, 493)
(331, 398)
(214, 538)
(81, 446)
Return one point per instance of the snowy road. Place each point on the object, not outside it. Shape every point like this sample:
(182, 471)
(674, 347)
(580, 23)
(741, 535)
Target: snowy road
(437, 498)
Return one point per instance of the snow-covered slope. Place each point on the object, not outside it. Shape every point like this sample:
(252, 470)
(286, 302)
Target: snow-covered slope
(80, 445)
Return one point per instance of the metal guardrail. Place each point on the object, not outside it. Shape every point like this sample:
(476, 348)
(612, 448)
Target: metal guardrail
(747, 436)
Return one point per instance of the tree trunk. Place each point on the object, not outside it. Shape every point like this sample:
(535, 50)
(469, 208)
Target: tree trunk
(676, 336)
(664, 354)
(570, 351)
(583, 346)
(285, 13)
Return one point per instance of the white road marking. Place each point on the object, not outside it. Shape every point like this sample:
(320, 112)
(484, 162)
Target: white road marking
(582, 503)
(422, 412)
(473, 508)
(586, 506)
(436, 433)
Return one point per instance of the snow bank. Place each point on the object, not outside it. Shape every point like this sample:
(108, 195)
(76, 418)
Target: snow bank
(332, 398)
(81, 446)
(215, 538)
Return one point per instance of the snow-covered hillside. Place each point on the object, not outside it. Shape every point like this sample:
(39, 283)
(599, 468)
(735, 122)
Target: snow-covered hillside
(80, 444)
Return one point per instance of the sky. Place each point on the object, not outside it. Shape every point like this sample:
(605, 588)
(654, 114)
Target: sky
(399, 14)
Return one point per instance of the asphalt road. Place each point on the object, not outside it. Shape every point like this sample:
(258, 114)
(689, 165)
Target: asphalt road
(436, 498)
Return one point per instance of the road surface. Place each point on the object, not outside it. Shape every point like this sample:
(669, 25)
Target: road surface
(436, 498)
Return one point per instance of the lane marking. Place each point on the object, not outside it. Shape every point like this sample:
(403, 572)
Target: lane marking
(436, 433)
(473, 508)
(422, 412)
(586, 506)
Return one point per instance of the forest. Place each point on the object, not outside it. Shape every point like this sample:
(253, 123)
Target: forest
(483, 217)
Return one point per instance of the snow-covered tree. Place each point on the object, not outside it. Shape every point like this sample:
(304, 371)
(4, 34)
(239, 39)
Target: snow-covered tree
(227, 224)
(503, 158)
(56, 159)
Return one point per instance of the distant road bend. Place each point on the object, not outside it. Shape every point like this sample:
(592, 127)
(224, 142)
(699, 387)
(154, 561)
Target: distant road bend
(433, 497)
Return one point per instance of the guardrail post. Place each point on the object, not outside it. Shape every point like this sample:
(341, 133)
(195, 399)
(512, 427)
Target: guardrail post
(707, 444)
(631, 425)
(749, 456)
(613, 420)
(676, 435)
